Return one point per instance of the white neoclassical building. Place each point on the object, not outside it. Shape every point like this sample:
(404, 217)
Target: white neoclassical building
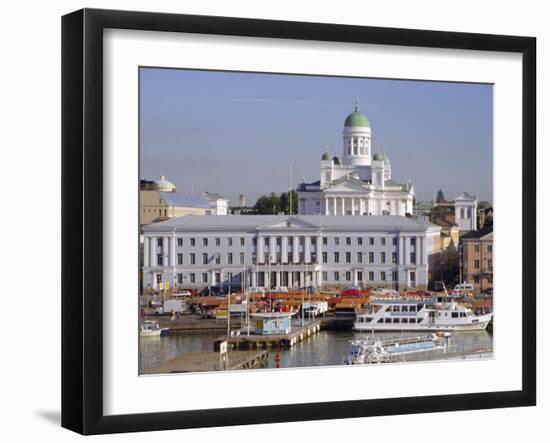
(358, 183)
(290, 251)
(466, 212)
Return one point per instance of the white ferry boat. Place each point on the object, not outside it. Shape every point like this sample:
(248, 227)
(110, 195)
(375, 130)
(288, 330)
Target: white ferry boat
(151, 328)
(418, 314)
(373, 350)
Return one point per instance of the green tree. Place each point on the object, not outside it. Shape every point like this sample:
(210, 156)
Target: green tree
(284, 203)
(267, 204)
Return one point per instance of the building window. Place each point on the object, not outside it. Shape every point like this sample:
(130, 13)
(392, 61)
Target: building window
(489, 248)
(192, 259)
(229, 258)
(336, 276)
(180, 241)
(371, 257)
(325, 240)
(242, 241)
(382, 276)
(412, 276)
(413, 258)
(204, 277)
(290, 258)
(336, 240)
(476, 264)
(254, 241)
(476, 248)
(180, 279)
(382, 257)
(180, 259)
(371, 275)
(266, 241)
(229, 241)
(476, 279)
(205, 241)
(336, 257)
(490, 279)
(159, 242)
(218, 241)
(159, 259)
(413, 241)
(192, 241)
(241, 258)
(325, 275)
(348, 257)
(325, 257)
(359, 257)
(371, 241)
(359, 241)
(348, 240)
(394, 257)
(192, 278)
(360, 275)
(383, 241)
(490, 265)
(394, 241)
(204, 259)
(348, 276)
(394, 275)
(218, 259)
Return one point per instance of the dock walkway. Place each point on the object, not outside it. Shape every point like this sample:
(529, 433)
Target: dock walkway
(210, 361)
(259, 341)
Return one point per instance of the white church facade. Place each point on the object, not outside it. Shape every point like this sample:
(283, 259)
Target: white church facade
(359, 183)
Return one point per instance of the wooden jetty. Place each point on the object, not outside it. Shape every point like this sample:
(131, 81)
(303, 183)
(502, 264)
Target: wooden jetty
(211, 361)
(266, 341)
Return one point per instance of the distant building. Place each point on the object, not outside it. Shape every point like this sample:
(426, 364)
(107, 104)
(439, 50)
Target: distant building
(219, 204)
(360, 183)
(292, 251)
(159, 201)
(477, 258)
(466, 212)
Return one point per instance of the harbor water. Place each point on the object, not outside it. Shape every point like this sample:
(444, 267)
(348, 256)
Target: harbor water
(327, 348)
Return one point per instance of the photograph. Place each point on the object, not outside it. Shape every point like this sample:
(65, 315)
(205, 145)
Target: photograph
(297, 221)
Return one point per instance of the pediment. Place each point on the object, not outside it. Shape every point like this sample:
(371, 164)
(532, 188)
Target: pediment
(347, 186)
(288, 223)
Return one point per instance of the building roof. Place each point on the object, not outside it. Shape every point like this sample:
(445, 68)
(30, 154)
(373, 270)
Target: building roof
(326, 156)
(356, 119)
(465, 196)
(188, 201)
(328, 222)
(479, 234)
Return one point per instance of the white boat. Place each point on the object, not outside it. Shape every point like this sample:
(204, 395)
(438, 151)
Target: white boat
(151, 328)
(373, 350)
(418, 314)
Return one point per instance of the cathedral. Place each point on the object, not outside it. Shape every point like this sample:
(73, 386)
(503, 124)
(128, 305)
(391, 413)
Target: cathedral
(358, 183)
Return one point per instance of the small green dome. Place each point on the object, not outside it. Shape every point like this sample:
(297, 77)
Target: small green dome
(379, 157)
(336, 160)
(326, 156)
(356, 118)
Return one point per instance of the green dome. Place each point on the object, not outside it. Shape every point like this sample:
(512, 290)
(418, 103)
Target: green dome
(336, 160)
(379, 157)
(326, 156)
(357, 118)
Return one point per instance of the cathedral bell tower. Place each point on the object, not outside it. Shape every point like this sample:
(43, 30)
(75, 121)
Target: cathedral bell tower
(357, 139)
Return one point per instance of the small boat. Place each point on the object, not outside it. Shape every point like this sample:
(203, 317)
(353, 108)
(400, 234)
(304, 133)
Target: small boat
(151, 328)
(373, 350)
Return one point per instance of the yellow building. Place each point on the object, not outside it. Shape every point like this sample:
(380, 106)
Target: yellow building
(158, 206)
(477, 250)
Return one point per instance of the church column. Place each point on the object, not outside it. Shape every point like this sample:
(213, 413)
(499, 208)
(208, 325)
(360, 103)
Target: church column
(401, 250)
(165, 252)
(278, 279)
(284, 249)
(334, 212)
(352, 206)
(295, 249)
(272, 254)
(361, 206)
(173, 250)
(326, 205)
(259, 250)
(343, 205)
(146, 253)
(153, 248)
(307, 248)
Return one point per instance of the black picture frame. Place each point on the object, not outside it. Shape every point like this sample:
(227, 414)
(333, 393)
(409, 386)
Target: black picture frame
(82, 217)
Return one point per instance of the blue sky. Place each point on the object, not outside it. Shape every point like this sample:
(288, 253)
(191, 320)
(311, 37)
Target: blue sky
(236, 133)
